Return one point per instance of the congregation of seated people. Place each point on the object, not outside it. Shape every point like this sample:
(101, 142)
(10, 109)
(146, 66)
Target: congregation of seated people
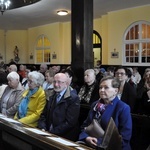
(51, 100)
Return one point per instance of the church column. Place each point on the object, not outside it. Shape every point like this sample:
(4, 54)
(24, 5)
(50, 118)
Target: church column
(82, 37)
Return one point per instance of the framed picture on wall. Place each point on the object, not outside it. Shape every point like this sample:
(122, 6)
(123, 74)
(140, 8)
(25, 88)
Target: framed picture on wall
(54, 56)
(31, 56)
(114, 54)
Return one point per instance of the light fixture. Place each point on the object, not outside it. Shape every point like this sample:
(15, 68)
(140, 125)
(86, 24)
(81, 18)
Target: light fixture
(4, 5)
(62, 12)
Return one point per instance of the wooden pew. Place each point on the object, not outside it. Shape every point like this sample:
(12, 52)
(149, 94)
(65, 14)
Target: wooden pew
(140, 133)
(15, 136)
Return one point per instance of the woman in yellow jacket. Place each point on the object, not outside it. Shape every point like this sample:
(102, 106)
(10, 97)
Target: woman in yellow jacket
(33, 101)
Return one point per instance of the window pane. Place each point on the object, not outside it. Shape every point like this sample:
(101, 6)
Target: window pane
(132, 35)
(127, 46)
(136, 59)
(148, 31)
(39, 56)
(43, 50)
(127, 53)
(144, 31)
(131, 53)
(95, 39)
(144, 52)
(148, 55)
(137, 32)
(136, 49)
(39, 43)
(132, 50)
(46, 42)
(131, 46)
(127, 59)
(47, 55)
(127, 37)
(144, 49)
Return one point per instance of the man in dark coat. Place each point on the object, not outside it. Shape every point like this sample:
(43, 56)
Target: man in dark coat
(61, 112)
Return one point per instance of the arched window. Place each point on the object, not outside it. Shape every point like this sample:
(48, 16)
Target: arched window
(137, 44)
(43, 50)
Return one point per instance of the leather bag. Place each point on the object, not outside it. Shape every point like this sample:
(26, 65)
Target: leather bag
(112, 140)
(95, 129)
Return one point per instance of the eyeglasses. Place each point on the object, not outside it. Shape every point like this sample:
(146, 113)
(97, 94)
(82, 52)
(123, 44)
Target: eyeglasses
(30, 81)
(120, 73)
(58, 82)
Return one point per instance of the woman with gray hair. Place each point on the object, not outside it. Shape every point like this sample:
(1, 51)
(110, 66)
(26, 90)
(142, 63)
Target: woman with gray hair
(33, 100)
(11, 96)
(88, 93)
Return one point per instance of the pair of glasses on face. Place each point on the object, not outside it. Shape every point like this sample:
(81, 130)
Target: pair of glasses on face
(30, 81)
(120, 73)
(58, 82)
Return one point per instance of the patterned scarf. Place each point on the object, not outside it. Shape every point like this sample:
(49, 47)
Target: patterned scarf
(24, 103)
(86, 92)
(100, 107)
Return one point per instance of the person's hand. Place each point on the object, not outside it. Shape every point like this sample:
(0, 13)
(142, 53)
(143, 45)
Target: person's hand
(92, 141)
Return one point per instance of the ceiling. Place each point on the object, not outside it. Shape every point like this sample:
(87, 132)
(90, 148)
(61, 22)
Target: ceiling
(44, 12)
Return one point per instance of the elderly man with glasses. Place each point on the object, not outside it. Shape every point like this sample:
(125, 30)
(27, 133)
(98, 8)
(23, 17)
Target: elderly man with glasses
(61, 112)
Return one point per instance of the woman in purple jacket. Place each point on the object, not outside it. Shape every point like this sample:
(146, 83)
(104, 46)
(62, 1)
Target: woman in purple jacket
(106, 107)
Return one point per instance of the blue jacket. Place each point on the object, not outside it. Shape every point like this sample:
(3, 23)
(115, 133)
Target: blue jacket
(120, 112)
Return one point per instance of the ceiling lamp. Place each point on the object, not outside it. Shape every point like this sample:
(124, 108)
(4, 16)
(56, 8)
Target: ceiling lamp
(4, 5)
(62, 12)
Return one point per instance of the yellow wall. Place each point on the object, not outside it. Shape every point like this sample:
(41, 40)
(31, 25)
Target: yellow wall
(14, 38)
(2, 48)
(66, 43)
(59, 36)
(111, 27)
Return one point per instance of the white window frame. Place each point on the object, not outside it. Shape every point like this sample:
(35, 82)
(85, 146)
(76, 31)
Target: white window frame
(41, 48)
(140, 41)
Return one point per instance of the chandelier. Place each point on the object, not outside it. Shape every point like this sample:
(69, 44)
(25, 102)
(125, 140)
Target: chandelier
(13, 4)
(4, 5)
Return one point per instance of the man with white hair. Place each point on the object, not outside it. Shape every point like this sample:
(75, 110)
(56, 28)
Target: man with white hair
(61, 112)
(12, 68)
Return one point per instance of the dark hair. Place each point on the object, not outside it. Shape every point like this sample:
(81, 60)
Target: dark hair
(3, 77)
(70, 72)
(121, 67)
(129, 73)
(111, 68)
(115, 82)
(136, 68)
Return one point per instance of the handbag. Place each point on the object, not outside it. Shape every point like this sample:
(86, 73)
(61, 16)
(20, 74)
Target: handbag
(94, 129)
(111, 139)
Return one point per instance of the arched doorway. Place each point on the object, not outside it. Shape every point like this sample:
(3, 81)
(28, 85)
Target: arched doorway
(97, 46)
